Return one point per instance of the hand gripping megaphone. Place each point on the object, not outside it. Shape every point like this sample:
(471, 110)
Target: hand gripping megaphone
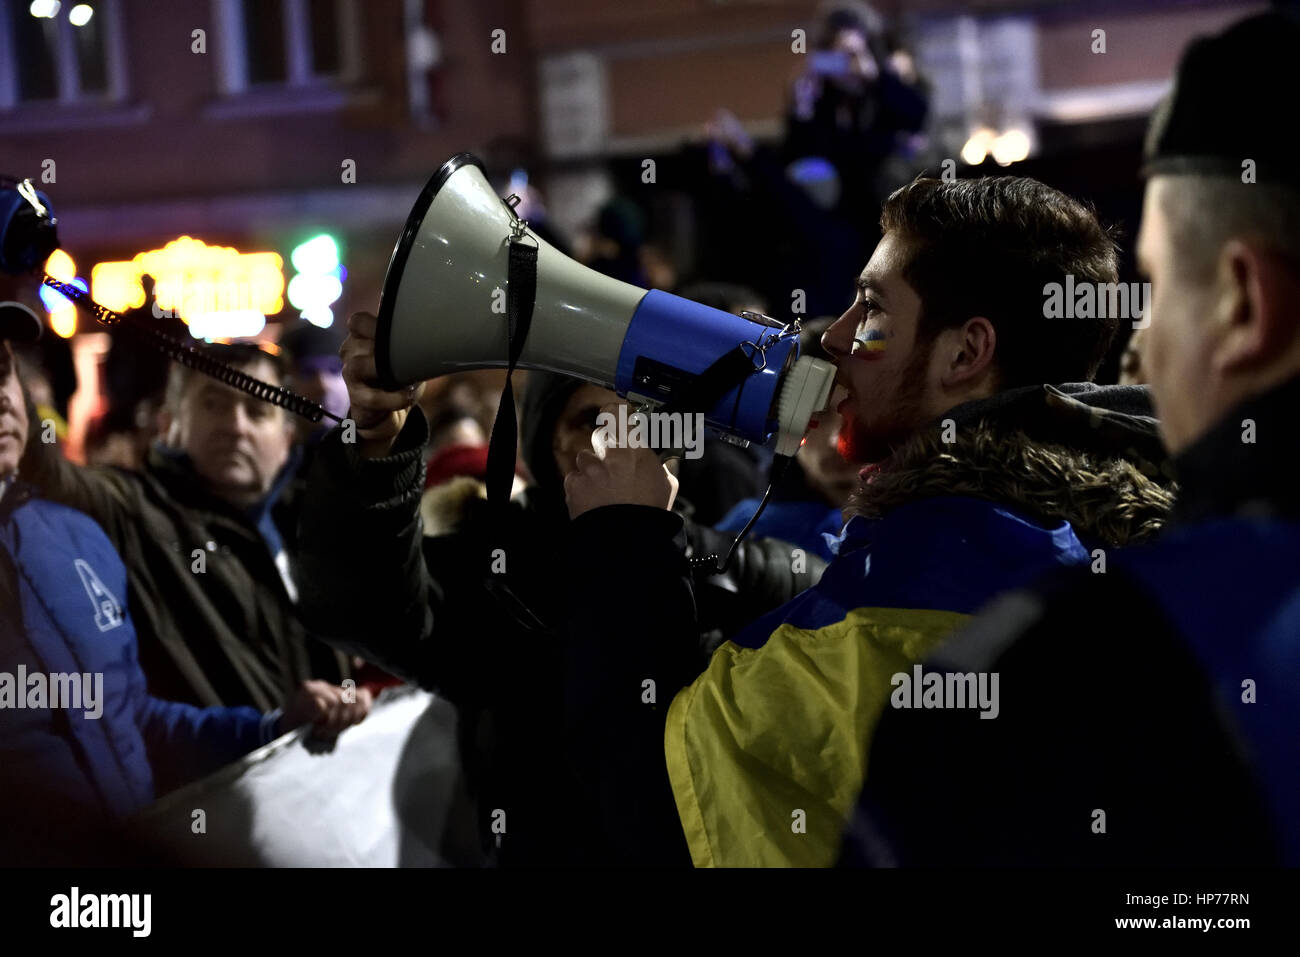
(442, 310)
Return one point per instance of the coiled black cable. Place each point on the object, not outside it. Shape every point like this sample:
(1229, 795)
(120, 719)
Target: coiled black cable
(193, 358)
(710, 564)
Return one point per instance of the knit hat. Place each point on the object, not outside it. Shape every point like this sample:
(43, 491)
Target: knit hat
(1228, 105)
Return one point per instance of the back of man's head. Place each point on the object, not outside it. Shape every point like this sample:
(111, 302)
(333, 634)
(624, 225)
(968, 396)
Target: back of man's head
(993, 247)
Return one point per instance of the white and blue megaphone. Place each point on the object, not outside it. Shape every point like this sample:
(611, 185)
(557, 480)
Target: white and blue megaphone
(441, 312)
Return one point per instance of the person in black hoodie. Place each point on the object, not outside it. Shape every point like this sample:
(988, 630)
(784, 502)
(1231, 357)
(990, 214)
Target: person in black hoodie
(480, 624)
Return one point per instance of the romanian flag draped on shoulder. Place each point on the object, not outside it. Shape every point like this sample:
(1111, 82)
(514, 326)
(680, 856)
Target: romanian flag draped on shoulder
(767, 749)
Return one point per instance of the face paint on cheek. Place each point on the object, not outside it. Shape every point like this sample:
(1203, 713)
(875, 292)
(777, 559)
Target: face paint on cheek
(869, 345)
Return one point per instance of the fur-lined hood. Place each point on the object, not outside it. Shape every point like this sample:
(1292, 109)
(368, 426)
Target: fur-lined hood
(1102, 469)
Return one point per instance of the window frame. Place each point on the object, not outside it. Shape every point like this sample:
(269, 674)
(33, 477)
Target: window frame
(228, 15)
(67, 69)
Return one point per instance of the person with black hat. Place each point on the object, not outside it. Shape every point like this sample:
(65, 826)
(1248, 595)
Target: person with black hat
(1151, 703)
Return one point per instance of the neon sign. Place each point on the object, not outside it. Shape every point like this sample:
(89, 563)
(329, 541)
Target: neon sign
(195, 281)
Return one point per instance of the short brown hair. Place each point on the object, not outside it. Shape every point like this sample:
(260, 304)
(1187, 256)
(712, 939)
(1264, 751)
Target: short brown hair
(988, 247)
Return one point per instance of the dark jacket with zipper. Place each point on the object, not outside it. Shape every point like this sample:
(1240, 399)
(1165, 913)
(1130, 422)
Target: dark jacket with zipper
(215, 621)
(1151, 703)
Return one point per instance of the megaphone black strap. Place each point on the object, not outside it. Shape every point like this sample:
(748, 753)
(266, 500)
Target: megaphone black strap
(521, 296)
(191, 356)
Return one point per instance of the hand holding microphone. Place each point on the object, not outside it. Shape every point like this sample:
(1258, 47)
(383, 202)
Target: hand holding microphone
(379, 415)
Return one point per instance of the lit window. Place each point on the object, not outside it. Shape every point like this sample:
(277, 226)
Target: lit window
(58, 51)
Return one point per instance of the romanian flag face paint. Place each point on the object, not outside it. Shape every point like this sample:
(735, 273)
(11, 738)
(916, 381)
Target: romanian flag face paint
(868, 343)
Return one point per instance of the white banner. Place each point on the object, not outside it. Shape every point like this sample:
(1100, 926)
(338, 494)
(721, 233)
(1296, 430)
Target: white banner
(389, 794)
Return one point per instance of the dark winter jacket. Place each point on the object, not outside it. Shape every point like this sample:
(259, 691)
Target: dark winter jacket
(759, 759)
(1151, 702)
(477, 613)
(69, 774)
(215, 621)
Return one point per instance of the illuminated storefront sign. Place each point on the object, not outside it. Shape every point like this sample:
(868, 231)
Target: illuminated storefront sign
(219, 291)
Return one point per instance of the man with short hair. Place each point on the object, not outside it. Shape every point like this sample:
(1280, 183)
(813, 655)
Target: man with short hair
(985, 466)
(1151, 708)
(83, 745)
(207, 531)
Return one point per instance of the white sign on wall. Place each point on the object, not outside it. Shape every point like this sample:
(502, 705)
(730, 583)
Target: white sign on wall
(574, 104)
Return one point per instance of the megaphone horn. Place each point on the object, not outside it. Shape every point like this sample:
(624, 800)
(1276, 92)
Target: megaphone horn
(442, 310)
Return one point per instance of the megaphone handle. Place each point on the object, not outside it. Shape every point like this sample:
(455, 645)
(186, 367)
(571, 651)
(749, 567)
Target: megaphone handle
(671, 452)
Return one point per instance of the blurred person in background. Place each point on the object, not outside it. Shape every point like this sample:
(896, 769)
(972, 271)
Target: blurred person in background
(613, 245)
(134, 374)
(856, 104)
(800, 215)
(122, 436)
(476, 393)
(1131, 371)
(457, 470)
(207, 531)
(315, 371)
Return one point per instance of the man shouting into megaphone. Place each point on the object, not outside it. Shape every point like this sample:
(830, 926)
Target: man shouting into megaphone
(989, 458)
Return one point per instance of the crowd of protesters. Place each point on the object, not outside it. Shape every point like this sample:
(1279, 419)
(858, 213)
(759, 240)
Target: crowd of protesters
(1114, 567)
